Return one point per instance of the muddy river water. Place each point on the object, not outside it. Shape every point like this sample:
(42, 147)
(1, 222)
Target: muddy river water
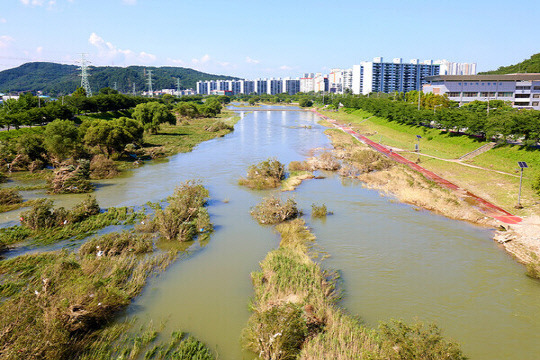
(395, 261)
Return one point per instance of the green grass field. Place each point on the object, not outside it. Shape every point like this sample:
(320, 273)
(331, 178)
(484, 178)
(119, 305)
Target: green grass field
(500, 189)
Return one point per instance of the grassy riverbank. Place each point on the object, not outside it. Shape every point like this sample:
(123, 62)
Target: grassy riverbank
(501, 189)
(295, 313)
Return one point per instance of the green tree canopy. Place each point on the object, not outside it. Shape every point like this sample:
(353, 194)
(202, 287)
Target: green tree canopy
(152, 114)
(61, 138)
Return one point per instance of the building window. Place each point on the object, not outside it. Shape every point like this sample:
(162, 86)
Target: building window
(470, 94)
(536, 96)
(535, 103)
(506, 94)
(454, 94)
(537, 88)
(459, 84)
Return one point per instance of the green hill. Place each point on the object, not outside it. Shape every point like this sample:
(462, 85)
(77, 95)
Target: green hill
(531, 65)
(54, 79)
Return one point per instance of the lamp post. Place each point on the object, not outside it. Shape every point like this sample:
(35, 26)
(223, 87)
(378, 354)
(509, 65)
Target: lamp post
(435, 107)
(418, 137)
(522, 165)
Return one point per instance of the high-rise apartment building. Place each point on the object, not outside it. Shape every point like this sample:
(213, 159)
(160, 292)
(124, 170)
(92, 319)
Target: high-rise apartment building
(380, 76)
(454, 68)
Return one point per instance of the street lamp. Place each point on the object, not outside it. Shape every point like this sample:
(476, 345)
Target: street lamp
(418, 137)
(522, 165)
(435, 108)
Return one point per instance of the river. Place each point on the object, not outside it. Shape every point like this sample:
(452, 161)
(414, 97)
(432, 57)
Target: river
(395, 261)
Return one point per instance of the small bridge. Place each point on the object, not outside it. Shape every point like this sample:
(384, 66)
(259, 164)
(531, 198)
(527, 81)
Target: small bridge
(255, 109)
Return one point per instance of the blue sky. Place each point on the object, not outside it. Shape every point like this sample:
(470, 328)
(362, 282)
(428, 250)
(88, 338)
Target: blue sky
(266, 38)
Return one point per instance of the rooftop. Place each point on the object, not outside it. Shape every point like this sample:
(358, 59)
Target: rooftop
(508, 77)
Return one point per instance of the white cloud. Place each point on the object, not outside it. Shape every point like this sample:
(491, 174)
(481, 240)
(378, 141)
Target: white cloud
(5, 41)
(39, 50)
(251, 61)
(285, 67)
(109, 53)
(202, 60)
(33, 2)
(130, 2)
(3, 21)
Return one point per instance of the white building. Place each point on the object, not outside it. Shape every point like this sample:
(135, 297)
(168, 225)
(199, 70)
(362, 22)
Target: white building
(453, 68)
(307, 83)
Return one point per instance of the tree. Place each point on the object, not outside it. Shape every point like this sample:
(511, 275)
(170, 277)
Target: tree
(61, 138)
(188, 109)
(152, 114)
(305, 102)
(80, 92)
(112, 136)
(107, 91)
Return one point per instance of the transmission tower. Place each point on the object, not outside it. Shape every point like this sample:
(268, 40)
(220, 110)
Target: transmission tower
(115, 86)
(178, 87)
(134, 92)
(85, 84)
(149, 81)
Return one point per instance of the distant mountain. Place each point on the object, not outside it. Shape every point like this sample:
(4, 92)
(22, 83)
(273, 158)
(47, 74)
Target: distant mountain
(531, 65)
(54, 79)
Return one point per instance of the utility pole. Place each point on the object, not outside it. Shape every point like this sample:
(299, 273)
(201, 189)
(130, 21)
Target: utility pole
(149, 82)
(85, 84)
(419, 94)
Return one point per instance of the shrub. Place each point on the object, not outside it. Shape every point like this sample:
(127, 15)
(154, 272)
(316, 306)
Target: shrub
(3, 178)
(369, 160)
(273, 211)
(305, 103)
(219, 125)
(326, 161)
(264, 175)
(10, 197)
(276, 333)
(71, 179)
(180, 220)
(42, 216)
(416, 341)
(300, 166)
(84, 209)
(319, 211)
(102, 167)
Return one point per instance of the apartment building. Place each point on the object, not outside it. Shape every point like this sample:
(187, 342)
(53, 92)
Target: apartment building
(522, 90)
(388, 77)
(454, 68)
(258, 86)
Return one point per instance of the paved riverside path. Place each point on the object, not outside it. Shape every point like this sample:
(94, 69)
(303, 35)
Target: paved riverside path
(483, 205)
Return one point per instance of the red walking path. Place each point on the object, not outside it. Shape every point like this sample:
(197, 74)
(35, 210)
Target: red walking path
(483, 205)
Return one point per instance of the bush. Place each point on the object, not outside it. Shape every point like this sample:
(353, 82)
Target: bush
(319, 211)
(326, 161)
(276, 333)
(264, 175)
(42, 216)
(300, 166)
(84, 210)
(3, 178)
(102, 167)
(219, 125)
(71, 179)
(403, 341)
(369, 160)
(305, 103)
(273, 211)
(10, 197)
(183, 218)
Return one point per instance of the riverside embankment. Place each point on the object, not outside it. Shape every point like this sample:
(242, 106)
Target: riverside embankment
(395, 261)
(519, 238)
